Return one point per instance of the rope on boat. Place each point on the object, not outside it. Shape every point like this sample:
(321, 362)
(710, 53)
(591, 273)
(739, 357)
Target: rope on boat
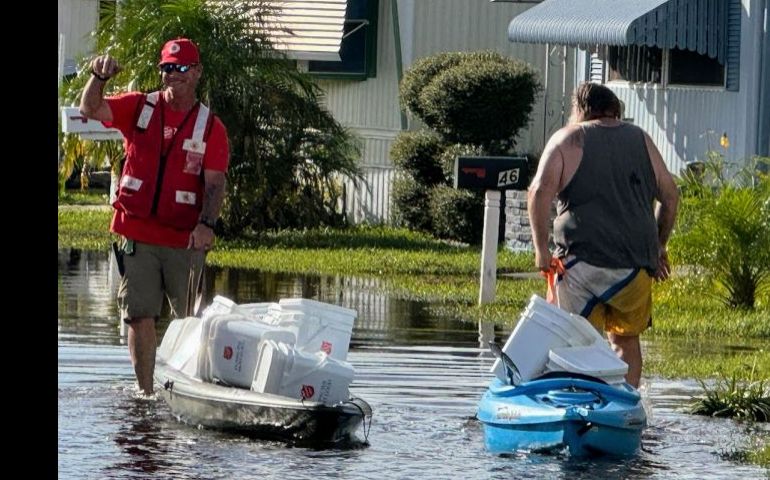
(366, 411)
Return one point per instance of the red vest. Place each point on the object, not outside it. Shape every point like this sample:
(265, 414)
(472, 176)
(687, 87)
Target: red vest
(170, 186)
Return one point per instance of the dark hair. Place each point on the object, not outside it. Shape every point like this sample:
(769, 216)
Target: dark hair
(592, 100)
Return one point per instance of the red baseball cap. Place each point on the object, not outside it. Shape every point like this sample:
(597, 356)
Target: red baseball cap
(180, 50)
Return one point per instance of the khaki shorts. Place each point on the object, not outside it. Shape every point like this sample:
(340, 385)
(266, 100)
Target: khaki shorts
(616, 300)
(154, 272)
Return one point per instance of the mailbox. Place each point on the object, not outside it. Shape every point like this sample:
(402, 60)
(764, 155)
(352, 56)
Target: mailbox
(491, 173)
(74, 122)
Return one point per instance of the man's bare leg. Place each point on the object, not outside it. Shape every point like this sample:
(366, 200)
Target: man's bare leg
(141, 345)
(630, 351)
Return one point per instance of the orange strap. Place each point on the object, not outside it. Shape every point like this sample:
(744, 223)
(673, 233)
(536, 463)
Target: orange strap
(556, 268)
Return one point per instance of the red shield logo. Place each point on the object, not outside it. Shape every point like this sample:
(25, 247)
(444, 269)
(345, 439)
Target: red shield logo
(307, 391)
(228, 353)
(326, 347)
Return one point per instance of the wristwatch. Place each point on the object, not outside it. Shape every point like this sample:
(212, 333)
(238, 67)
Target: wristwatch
(209, 223)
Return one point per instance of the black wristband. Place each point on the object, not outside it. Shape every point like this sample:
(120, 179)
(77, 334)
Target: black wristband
(103, 79)
(208, 223)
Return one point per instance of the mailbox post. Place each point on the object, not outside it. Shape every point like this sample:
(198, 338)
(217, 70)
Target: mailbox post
(494, 175)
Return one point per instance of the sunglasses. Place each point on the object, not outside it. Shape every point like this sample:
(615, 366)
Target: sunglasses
(170, 67)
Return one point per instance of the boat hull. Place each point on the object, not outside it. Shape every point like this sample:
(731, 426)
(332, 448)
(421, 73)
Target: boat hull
(256, 414)
(587, 418)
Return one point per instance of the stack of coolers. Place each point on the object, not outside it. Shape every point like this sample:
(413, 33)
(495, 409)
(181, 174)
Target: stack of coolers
(295, 348)
(549, 339)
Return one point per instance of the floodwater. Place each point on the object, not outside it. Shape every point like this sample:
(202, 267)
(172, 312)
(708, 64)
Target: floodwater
(422, 374)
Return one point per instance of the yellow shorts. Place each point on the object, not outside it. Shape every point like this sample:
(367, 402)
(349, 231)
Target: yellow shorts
(615, 300)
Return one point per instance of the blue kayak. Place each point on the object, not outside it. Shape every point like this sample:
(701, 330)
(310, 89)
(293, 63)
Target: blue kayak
(562, 409)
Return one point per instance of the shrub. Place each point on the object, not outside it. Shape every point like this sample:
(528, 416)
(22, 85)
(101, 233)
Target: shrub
(418, 154)
(480, 98)
(477, 102)
(410, 204)
(724, 229)
(481, 103)
(457, 214)
(419, 75)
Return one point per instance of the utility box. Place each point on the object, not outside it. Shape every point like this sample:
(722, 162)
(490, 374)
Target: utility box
(491, 173)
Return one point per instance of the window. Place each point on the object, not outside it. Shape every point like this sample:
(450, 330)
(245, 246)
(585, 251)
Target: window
(691, 68)
(358, 52)
(640, 63)
(637, 63)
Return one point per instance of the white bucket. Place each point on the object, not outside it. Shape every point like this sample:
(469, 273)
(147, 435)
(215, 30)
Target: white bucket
(255, 311)
(220, 305)
(597, 360)
(283, 370)
(232, 343)
(170, 338)
(180, 345)
(541, 328)
(318, 326)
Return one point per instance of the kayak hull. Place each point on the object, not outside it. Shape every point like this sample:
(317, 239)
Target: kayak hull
(585, 417)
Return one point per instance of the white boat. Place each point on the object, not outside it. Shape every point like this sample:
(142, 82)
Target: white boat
(240, 372)
(260, 415)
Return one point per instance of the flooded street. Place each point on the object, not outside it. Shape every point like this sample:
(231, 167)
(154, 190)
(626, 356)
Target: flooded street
(423, 375)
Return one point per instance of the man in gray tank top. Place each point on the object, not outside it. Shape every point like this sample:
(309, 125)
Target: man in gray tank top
(610, 236)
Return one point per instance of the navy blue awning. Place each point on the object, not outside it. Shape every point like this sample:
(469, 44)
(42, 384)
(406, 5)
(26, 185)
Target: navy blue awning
(697, 25)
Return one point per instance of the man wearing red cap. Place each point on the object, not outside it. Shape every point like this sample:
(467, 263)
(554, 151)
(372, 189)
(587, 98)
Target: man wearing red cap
(170, 192)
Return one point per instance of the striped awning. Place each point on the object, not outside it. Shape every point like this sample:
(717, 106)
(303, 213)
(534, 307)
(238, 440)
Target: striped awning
(697, 25)
(307, 30)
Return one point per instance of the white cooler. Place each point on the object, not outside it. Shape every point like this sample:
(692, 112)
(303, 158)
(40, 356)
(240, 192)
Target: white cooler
(597, 360)
(318, 326)
(283, 370)
(541, 328)
(231, 346)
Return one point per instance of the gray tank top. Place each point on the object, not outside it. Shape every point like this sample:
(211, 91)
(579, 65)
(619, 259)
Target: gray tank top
(605, 214)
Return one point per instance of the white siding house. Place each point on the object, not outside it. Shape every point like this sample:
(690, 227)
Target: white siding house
(711, 77)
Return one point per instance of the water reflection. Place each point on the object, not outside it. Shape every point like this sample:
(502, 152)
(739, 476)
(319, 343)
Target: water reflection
(486, 334)
(141, 437)
(88, 283)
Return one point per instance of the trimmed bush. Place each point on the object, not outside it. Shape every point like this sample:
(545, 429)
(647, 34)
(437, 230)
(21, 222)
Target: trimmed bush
(419, 75)
(457, 214)
(410, 204)
(477, 102)
(418, 153)
(480, 98)
(481, 103)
